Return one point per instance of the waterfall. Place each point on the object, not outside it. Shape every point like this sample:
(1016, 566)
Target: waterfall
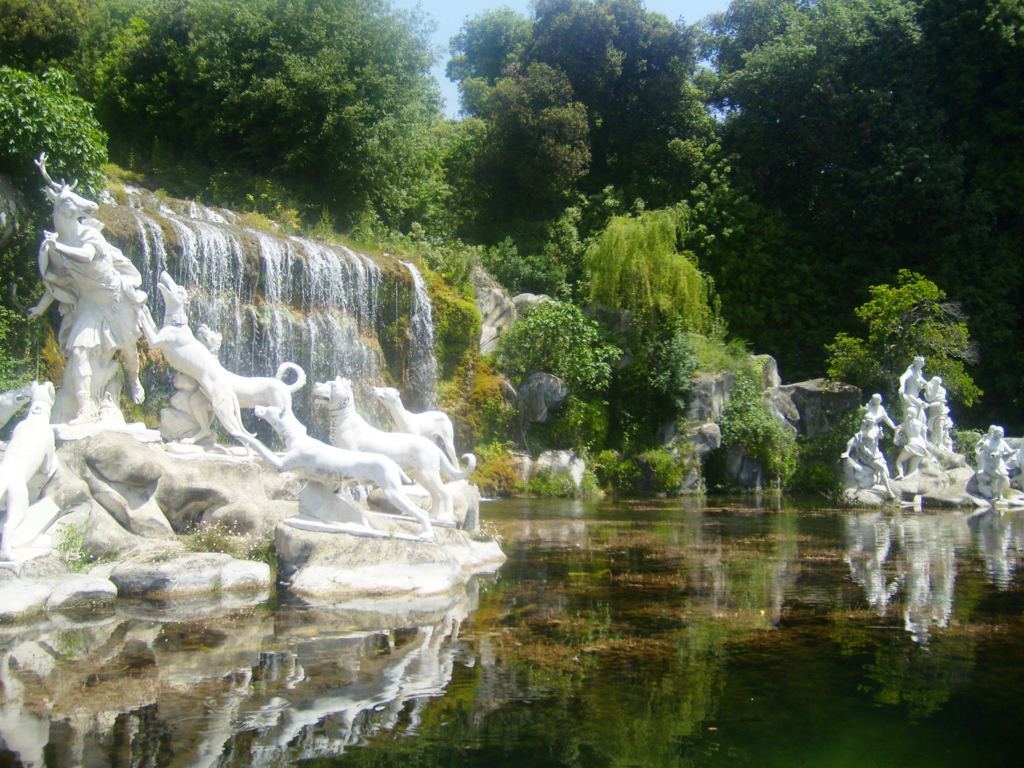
(422, 360)
(277, 298)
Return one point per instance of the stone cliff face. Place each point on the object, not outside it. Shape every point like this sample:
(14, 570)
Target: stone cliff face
(278, 298)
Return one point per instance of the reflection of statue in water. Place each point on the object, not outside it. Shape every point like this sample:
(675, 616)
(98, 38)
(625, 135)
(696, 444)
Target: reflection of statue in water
(993, 453)
(100, 307)
(865, 458)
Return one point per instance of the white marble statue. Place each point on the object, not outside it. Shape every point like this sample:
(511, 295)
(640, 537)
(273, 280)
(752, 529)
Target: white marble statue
(993, 454)
(100, 305)
(936, 409)
(13, 401)
(329, 466)
(187, 355)
(912, 441)
(178, 422)
(415, 454)
(875, 411)
(433, 425)
(866, 467)
(912, 382)
(30, 454)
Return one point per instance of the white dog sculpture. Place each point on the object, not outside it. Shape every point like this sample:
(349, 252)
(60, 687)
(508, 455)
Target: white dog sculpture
(186, 354)
(325, 464)
(31, 452)
(417, 455)
(12, 402)
(433, 425)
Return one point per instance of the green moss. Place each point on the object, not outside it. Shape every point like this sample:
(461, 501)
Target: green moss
(475, 400)
(456, 322)
(496, 472)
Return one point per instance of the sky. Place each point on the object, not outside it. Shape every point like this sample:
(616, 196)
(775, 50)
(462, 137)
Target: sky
(449, 17)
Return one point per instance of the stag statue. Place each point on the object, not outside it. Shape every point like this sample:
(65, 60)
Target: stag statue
(101, 308)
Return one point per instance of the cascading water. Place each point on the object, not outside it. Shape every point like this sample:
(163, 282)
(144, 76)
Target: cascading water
(422, 361)
(279, 298)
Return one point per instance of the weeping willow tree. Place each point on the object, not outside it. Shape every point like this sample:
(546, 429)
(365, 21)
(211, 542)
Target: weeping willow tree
(637, 264)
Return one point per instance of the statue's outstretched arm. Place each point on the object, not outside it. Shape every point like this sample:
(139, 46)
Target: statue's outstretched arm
(44, 304)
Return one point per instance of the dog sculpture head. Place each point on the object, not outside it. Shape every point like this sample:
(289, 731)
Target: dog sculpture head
(389, 395)
(282, 420)
(336, 395)
(43, 397)
(175, 299)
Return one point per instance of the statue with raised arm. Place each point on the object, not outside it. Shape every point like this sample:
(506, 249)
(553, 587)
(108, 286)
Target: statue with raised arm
(875, 411)
(912, 382)
(101, 308)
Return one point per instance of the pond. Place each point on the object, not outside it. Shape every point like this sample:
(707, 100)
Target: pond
(617, 634)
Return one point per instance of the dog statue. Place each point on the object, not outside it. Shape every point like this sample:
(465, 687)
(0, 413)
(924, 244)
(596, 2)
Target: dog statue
(12, 402)
(31, 452)
(433, 425)
(329, 466)
(415, 454)
(186, 354)
(176, 422)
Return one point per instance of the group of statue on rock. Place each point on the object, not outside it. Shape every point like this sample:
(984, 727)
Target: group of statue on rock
(924, 438)
(103, 316)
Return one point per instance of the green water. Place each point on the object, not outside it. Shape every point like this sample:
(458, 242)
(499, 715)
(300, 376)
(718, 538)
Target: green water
(664, 634)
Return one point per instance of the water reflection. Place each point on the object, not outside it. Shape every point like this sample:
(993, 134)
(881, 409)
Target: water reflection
(912, 558)
(249, 688)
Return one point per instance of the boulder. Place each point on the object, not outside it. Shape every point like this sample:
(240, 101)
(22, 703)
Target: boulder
(743, 470)
(561, 463)
(770, 377)
(27, 599)
(325, 567)
(525, 300)
(704, 438)
(497, 312)
(540, 394)
(81, 592)
(709, 393)
(161, 577)
(812, 407)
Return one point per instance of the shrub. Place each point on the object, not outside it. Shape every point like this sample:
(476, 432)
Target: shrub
(496, 471)
(816, 464)
(747, 422)
(555, 337)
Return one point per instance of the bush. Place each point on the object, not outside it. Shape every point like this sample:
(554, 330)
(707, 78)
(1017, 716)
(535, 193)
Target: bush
(44, 114)
(496, 471)
(475, 401)
(816, 464)
(747, 422)
(555, 337)
(579, 425)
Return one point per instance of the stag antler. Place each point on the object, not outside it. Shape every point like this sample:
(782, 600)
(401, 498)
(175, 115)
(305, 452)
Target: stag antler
(41, 164)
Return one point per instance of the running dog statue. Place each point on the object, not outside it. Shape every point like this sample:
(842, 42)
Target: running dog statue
(328, 466)
(433, 425)
(12, 402)
(188, 355)
(416, 455)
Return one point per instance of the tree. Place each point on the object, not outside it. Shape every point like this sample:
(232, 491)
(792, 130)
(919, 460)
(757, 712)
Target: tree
(903, 320)
(556, 337)
(636, 265)
(332, 98)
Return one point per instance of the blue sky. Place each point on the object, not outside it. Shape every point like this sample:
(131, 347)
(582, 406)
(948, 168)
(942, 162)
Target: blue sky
(449, 17)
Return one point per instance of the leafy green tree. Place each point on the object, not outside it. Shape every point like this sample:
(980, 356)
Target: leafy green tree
(330, 97)
(39, 33)
(44, 113)
(903, 320)
(556, 337)
(485, 46)
(636, 265)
